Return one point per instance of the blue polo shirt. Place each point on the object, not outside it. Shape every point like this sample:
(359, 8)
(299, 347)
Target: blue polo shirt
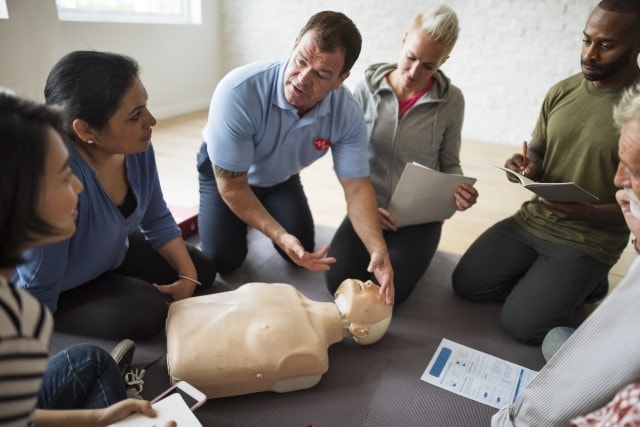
(252, 127)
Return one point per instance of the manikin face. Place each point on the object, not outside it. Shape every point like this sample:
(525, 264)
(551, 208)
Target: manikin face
(59, 191)
(628, 173)
(420, 59)
(363, 306)
(311, 74)
(608, 47)
(129, 129)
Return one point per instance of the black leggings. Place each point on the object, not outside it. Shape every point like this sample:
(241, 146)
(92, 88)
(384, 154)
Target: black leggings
(410, 250)
(123, 303)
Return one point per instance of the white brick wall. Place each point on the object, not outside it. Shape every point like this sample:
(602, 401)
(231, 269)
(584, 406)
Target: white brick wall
(508, 54)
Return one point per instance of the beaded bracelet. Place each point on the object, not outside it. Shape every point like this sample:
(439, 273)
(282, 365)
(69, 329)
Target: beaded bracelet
(189, 279)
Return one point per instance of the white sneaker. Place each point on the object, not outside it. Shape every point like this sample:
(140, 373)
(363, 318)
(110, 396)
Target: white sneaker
(133, 382)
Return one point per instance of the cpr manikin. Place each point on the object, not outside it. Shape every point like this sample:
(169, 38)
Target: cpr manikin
(267, 336)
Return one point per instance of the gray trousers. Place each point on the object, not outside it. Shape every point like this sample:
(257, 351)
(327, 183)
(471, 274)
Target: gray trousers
(542, 284)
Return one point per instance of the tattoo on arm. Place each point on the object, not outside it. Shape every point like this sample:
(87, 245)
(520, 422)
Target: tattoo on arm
(223, 173)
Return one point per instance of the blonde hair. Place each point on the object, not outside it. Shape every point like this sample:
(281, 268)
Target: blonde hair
(628, 109)
(441, 23)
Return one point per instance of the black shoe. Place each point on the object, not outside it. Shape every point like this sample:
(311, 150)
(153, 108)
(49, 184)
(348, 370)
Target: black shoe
(122, 353)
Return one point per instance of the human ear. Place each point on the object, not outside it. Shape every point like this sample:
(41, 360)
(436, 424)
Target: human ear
(83, 130)
(341, 79)
(358, 331)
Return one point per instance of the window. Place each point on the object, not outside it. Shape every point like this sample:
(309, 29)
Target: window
(4, 14)
(131, 11)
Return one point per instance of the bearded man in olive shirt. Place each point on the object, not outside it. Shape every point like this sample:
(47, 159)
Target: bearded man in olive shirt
(544, 261)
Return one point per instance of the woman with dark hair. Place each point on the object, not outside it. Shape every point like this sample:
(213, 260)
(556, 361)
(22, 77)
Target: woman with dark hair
(38, 199)
(112, 279)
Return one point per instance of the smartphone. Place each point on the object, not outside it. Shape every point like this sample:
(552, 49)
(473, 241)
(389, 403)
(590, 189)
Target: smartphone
(194, 397)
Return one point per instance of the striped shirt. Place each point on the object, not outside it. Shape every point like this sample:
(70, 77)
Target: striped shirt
(25, 331)
(600, 357)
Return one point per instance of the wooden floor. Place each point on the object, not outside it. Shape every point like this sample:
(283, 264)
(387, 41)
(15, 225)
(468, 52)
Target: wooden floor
(177, 140)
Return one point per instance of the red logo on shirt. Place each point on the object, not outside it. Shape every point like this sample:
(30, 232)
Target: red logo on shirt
(321, 144)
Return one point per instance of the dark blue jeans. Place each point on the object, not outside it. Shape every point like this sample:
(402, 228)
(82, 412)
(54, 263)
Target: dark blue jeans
(223, 236)
(81, 377)
(542, 284)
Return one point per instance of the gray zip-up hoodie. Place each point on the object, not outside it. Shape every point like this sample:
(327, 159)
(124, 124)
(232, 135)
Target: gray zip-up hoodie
(428, 133)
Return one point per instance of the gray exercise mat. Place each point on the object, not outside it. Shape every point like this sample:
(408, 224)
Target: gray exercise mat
(377, 385)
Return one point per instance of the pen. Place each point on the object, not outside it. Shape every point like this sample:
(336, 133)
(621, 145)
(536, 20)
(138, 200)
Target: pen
(524, 157)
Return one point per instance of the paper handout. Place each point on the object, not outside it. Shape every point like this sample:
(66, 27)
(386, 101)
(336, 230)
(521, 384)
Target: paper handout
(554, 191)
(476, 375)
(424, 195)
(171, 408)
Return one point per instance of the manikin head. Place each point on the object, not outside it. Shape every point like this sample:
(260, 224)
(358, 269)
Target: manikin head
(363, 307)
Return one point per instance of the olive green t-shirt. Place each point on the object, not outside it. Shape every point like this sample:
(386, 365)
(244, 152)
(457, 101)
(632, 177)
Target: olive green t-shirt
(576, 128)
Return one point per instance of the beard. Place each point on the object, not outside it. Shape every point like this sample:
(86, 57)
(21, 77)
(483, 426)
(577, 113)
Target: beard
(603, 71)
(634, 202)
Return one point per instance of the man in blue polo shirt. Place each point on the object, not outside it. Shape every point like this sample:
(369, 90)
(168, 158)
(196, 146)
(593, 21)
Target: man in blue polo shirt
(269, 120)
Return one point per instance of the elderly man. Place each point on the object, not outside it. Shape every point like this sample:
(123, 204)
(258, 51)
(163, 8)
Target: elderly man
(601, 356)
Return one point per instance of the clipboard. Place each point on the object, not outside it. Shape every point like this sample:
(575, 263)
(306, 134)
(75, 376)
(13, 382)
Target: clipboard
(424, 195)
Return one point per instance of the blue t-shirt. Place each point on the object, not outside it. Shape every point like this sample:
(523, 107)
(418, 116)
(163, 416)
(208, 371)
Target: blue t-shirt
(252, 127)
(101, 239)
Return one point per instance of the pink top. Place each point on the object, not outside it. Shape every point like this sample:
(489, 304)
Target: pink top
(406, 104)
